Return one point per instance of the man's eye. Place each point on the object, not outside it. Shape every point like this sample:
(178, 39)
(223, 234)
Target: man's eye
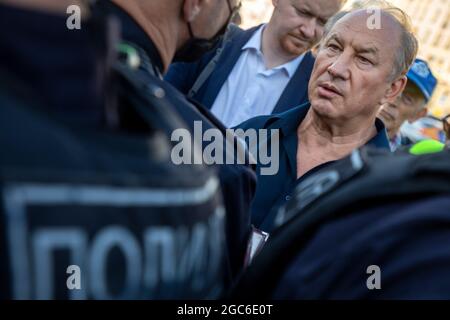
(365, 60)
(302, 13)
(333, 47)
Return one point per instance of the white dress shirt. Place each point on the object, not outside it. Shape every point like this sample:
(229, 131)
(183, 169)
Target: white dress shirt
(251, 89)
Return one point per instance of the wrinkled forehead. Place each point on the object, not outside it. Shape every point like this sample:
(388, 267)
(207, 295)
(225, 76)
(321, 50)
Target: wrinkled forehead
(375, 30)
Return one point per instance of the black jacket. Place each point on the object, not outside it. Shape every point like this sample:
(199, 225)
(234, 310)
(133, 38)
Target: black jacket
(81, 191)
(237, 181)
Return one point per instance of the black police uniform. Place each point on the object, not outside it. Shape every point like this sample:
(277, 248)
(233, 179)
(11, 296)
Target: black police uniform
(91, 205)
(238, 182)
(373, 225)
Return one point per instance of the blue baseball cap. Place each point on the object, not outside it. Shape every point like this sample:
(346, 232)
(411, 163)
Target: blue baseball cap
(422, 76)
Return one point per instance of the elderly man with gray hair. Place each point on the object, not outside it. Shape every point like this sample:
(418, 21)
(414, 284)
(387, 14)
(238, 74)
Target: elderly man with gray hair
(372, 225)
(361, 64)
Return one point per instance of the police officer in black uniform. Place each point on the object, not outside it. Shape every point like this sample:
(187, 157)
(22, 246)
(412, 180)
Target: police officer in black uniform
(92, 205)
(146, 31)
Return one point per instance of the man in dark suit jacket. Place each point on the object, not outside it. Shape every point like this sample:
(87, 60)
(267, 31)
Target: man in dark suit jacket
(260, 71)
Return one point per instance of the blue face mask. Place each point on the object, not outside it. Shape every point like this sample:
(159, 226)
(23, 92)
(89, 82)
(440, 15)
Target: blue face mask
(65, 69)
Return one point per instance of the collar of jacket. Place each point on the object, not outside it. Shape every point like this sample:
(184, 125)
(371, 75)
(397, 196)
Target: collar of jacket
(132, 27)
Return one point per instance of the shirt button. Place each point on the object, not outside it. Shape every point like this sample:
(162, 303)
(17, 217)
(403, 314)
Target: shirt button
(288, 198)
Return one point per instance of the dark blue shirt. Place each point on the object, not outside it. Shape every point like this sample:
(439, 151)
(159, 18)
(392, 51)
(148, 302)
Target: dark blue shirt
(273, 190)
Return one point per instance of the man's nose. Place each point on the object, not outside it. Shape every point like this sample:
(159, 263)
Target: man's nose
(309, 28)
(340, 67)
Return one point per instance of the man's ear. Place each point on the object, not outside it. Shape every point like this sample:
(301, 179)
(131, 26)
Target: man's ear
(191, 8)
(394, 90)
(420, 114)
(275, 3)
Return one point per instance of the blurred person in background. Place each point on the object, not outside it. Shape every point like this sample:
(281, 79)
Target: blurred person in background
(411, 105)
(446, 126)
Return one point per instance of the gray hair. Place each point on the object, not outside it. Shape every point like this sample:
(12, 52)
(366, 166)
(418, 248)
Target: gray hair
(408, 47)
(332, 21)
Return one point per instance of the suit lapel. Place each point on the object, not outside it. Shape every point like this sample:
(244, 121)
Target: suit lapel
(296, 92)
(225, 65)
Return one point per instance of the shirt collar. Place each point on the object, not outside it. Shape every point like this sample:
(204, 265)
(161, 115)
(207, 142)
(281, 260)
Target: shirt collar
(255, 44)
(381, 139)
(255, 40)
(289, 121)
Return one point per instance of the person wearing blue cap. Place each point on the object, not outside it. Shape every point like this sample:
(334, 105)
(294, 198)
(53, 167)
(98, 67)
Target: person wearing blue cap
(411, 105)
